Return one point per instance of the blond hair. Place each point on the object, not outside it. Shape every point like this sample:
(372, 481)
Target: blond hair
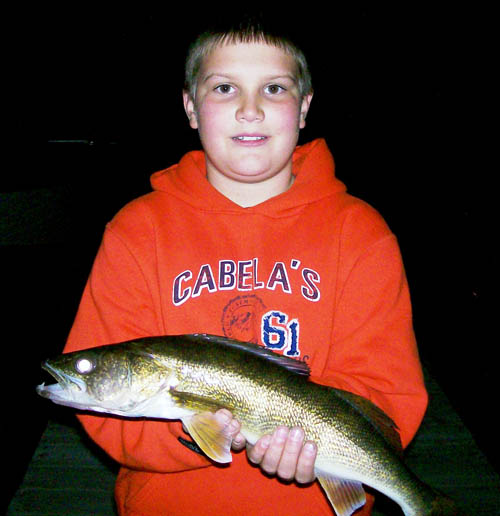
(250, 31)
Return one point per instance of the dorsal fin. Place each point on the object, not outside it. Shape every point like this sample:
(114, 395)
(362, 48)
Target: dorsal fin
(290, 364)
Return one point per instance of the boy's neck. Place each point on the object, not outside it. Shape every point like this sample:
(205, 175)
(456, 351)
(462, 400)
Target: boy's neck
(247, 195)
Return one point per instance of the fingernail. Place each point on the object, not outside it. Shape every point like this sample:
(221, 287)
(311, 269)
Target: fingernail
(225, 418)
(310, 447)
(281, 433)
(265, 441)
(296, 434)
(233, 426)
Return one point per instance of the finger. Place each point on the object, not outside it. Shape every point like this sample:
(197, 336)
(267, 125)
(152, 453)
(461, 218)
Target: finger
(239, 442)
(291, 451)
(224, 416)
(232, 427)
(305, 464)
(271, 459)
(226, 419)
(256, 452)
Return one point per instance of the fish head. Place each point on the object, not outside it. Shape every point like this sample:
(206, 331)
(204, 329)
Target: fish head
(107, 379)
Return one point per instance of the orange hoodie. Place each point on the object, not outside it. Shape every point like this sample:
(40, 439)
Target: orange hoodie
(313, 273)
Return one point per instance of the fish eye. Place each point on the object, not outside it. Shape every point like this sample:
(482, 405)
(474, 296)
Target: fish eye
(84, 366)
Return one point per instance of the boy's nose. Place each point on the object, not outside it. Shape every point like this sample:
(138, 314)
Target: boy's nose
(249, 110)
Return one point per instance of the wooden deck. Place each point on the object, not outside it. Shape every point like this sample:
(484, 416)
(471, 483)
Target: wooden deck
(69, 475)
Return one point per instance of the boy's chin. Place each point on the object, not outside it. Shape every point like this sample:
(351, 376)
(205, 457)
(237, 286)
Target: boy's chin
(254, 176)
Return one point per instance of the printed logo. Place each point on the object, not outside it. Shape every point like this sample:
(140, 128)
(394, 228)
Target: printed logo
(245, 276)
(239, 318)
(278, 332)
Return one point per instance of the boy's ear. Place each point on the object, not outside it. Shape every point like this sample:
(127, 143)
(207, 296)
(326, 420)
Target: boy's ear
(190, 109)
(304, 108)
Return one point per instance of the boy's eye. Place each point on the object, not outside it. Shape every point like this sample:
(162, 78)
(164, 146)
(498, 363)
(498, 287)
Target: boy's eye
(224, 88)
(274, 89)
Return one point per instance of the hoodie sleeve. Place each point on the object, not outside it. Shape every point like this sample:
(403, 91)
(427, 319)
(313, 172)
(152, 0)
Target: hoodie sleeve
(119, 304)
(374, 352)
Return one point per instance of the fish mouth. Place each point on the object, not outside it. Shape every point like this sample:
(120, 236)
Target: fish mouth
(68, 391)
(64, 381)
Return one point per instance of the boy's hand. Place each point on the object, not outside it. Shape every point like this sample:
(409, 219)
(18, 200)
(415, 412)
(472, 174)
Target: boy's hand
(283, 453)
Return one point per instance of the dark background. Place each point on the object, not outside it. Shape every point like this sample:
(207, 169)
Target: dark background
(94, 107)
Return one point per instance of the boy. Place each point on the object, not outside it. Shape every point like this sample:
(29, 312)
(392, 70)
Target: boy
(256, 239)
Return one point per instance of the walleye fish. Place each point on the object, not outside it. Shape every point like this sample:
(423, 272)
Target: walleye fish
(190, 377)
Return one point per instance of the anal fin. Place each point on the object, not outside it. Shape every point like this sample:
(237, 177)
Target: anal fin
(346, 496)
(210, 435)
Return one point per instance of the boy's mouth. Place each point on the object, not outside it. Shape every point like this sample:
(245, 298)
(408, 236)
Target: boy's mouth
(244, 138)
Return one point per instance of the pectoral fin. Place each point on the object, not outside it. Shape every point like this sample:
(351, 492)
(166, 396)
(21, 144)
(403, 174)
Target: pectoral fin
(210, 435)
(195, 402)
(346, 496)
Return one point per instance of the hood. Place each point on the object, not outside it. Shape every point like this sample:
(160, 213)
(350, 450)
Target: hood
(313, 168)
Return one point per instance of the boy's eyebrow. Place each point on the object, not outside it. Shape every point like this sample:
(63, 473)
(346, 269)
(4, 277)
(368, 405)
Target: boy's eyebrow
(211, 75)
(266, 79)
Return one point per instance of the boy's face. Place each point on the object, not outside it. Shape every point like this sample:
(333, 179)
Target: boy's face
(248, 111)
